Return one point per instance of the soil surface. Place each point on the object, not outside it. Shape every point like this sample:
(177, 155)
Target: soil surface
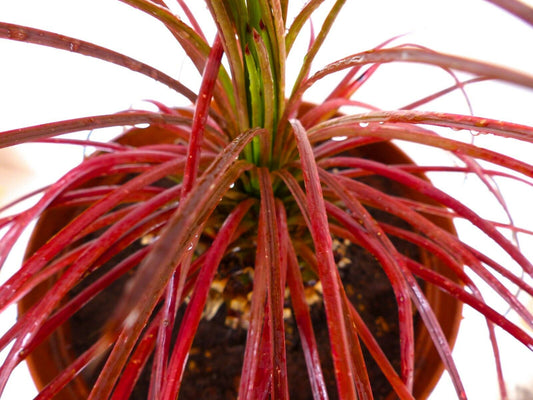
(215, 362)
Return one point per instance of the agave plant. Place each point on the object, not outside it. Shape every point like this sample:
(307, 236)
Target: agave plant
(255, 171)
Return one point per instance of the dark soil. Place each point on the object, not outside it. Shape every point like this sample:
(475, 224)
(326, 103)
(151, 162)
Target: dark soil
(215, 362)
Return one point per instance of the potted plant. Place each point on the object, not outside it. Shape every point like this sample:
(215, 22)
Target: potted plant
(252, 209)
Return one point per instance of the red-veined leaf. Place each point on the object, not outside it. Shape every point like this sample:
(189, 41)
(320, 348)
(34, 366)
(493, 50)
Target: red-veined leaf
(327, 268)
(276, 292)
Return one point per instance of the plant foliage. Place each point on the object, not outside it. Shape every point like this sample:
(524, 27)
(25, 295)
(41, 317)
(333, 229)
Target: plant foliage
(252, 168)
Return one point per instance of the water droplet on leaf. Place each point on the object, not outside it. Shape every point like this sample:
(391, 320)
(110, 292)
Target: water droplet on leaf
(74, 46)
(339, 138)
(17, 34)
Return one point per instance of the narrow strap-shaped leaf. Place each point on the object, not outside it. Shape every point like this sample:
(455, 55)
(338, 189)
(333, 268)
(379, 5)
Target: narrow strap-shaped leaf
(369, 340)
(332, 147)
(176, 283)
(232, 49)
(379, 356)
(138, 361)
(349, 84)
(32, 321)
(164, 333)
(519, 9)
(416, 295)
(100, 146)
(455, 121)
(457, 291)
(284, 4)
(50, 39)
(261, 388)
(445, 243)
(414, 134)
(32, 133)
(448, 246)
(300, 20)
(404, 117)
(268, 96)
(82, 298)
(193, 44)
(326, 267)
(276, 291)
(500, 269)
(441, 93)
(144, 348)
(362, 380)
(435, 331)
(86, 197)
(69, 373)
(429, 190)
(191, 319)
(449, 261)
(305, 327)
(327, 109)
(201, 109)
(413, 168)
(78, 175)
(192, 19)
(51, 248)
(416, 55)
(404, 54)
(257, 320)
(274, 22)
(309, 57)
(303, 75)
(392, 269)
(296, 192)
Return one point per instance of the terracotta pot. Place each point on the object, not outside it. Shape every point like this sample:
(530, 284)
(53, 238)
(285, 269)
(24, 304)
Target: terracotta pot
(56, 353)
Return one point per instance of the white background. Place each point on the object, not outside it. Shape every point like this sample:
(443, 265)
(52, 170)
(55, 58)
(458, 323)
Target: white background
(40, 85)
